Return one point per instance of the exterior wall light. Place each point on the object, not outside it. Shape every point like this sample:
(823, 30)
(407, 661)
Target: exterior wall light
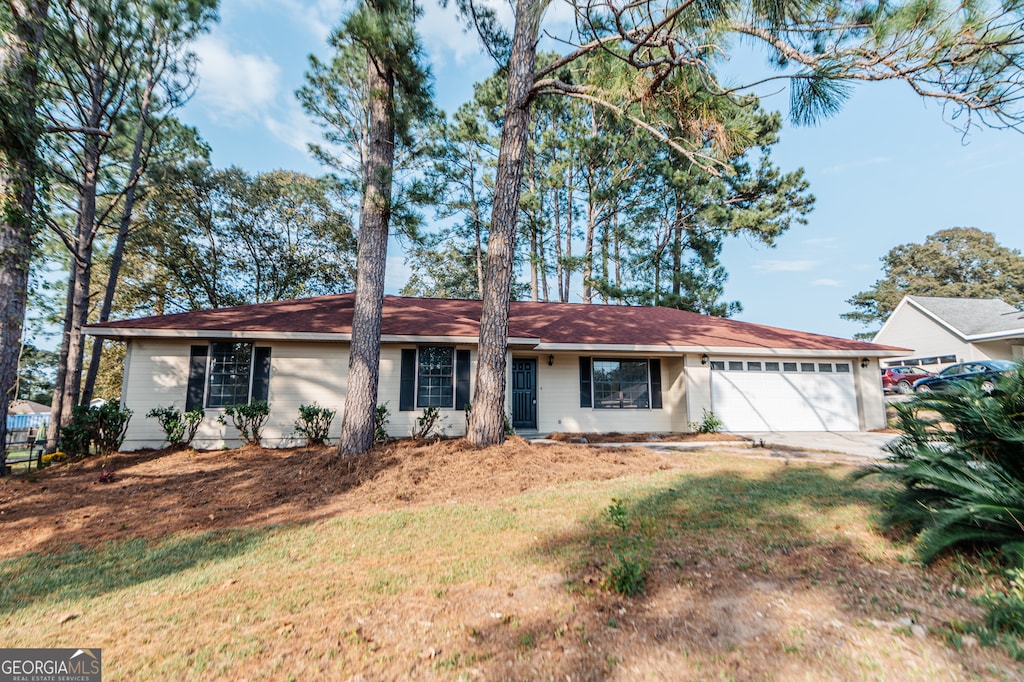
(864, 363)
(704, 359)
(551, 360)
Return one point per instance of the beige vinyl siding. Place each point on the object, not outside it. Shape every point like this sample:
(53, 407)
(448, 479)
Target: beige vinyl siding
(301, 373)
(910, 328)
(558, 399)
(156, 376)
(401, 424)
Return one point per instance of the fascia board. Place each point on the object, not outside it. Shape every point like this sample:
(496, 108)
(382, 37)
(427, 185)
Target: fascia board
(721, 350)
(994, 336)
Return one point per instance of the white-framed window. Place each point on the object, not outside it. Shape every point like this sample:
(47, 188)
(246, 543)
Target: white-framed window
(621, 384)
(435, 377)
(230, 375)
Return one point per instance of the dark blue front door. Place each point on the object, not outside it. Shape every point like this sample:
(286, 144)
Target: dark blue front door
(524, 393)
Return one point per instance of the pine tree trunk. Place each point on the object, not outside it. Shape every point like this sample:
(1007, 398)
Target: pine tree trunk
(357, 422)
(57, 403)
(19, 49)
(487, 420)
(117, 257)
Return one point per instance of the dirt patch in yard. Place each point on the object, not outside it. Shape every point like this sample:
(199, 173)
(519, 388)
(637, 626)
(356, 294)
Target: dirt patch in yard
(756, 569)
(157, 493)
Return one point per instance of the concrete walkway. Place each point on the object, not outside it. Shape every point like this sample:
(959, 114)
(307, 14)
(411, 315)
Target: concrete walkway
(864, 444)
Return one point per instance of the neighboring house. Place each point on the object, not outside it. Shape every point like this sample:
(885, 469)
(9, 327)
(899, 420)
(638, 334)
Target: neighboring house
(944, 331)
(571, 367)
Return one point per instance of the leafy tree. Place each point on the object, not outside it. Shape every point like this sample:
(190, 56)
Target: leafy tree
(966, 55)
(22, 28)
(36, 374)
(210, 239)
(959, 262)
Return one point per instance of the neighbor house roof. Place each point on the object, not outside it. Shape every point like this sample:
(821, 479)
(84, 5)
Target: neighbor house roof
(544, 326)
(972, 318)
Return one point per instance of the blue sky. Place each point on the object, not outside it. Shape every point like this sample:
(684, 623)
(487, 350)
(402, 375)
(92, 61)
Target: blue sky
(887, 170)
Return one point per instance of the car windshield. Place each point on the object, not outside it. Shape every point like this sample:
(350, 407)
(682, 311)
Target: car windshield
(1001, 365)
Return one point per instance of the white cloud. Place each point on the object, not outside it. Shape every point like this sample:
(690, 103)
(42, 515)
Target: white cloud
(786, 265)
(292, 126)
(826, 282)
(855, 165)
(234, 85)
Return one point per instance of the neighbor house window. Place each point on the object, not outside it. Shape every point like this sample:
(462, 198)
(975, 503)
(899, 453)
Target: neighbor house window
(436, 377)
(621, 384)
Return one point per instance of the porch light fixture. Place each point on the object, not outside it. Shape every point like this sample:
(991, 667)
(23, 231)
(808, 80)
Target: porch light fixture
(864, 363)
(551, 360)
(704, 359)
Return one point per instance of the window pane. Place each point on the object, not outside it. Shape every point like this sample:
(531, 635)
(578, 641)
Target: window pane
(621, 384)
(771, 367)
(806, 366)
(230, 364)
(735, 366)
(789, 366)
(753, 366)
(824, 366)
(842, 367)
(717, 364)
(436, 374)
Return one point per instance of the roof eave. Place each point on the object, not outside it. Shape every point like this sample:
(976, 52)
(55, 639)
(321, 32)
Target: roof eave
(880, 352)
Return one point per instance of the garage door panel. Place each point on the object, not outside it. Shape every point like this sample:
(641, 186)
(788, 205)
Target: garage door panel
(759, 401)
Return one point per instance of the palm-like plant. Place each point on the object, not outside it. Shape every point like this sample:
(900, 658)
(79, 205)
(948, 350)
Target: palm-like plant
(960, 466)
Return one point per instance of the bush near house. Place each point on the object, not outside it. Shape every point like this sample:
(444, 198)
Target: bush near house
(314, 423)
(249, 419)
(95, 430)
(179, 427)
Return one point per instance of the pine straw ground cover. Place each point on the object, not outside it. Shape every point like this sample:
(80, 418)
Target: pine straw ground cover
(441, 562)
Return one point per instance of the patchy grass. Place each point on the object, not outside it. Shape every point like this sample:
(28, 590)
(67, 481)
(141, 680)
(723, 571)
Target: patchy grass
(440, 562)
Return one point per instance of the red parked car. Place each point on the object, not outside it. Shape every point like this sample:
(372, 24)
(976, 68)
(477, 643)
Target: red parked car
(901, 379)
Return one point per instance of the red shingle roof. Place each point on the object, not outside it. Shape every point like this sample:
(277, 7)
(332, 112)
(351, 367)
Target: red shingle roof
(551, 323)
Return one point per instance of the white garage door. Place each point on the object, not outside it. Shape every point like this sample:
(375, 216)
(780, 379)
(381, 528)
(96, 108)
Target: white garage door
(759, 395)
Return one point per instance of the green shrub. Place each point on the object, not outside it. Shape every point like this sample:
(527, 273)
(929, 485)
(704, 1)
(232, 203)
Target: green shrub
(249, 419)
(380, 423)
(95, 430)
(628, 574)
(179, 427)
(426, 423)
(631, 546)
(314, 423)
(959, 464)
(710, 423)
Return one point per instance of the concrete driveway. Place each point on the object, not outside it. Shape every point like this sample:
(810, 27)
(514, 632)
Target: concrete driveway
(864, 444)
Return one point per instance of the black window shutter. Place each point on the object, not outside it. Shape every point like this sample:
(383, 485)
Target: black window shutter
(196, 377)
(655, 366)
(261, 374)
(586, 394)
(461, 379)
(407, 389)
